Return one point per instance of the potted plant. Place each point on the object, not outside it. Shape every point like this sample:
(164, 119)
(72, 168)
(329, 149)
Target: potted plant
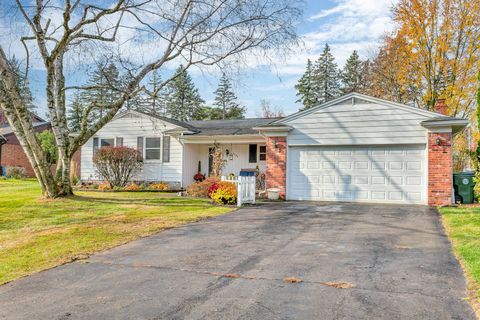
(199, 177)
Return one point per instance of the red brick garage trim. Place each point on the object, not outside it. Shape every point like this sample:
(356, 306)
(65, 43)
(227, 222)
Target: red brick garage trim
(276, 172)
(440, 168)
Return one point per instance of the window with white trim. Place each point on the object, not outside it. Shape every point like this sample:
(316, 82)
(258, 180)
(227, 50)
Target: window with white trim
(262, 153)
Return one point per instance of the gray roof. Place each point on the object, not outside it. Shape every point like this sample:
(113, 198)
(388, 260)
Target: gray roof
(172, 121)
(5, 129)
(228, 127)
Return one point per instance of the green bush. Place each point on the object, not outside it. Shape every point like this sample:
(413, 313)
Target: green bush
(476, 188)
(47, 143)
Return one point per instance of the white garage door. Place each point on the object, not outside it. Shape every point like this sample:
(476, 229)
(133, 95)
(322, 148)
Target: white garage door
(372, 174)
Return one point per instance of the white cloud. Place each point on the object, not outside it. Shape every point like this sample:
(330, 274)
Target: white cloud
(347, 26)
(356, 8)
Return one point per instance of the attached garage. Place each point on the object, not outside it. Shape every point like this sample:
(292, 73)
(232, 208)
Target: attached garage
(358, 173)
(361, 148)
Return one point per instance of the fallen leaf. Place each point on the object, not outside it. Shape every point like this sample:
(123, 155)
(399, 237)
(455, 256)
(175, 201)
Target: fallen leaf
(292, 280)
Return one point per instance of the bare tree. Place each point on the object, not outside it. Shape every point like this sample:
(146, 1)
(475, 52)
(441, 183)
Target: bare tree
(192, 32)
(269, 111)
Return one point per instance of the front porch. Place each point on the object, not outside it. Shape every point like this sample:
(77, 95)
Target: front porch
(239, 152)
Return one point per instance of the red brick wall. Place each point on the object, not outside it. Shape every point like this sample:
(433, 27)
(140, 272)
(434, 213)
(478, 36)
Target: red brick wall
(276, 175)
(13, 156)
(439, 169)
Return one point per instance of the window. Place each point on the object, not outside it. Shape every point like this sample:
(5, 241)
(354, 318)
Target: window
(262, 153)
(107, 142)
(252, 153)
(119, 142)
(166, 149)
(140, 148)
(152, 148)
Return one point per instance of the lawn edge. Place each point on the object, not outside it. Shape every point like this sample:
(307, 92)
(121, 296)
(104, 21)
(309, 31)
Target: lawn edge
(472, 299)
(84, 256)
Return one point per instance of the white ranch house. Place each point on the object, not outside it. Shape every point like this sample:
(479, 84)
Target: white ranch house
(353, 148)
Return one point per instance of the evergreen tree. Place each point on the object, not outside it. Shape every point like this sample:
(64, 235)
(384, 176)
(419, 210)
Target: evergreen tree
(306, 88)
(208, 113)
(154, 99)
(354, 74)
(75, 112)
(326, 76)
(106, 88)
(226, 100)
(22, 84)
(183, 100)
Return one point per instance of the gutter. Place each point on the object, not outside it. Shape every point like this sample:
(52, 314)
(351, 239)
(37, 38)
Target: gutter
(456, 125)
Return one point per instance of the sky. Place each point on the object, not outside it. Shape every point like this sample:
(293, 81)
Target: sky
(346, 25)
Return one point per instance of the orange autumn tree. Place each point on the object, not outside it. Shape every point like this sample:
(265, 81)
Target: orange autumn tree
(390, 77)
(442, 39)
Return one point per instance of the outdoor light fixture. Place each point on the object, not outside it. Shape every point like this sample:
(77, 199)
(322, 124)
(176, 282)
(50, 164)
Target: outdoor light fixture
(438, 141)
(276, 145)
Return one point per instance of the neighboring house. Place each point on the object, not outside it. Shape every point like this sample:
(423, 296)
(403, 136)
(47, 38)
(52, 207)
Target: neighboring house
(11, 152)
(353, 148)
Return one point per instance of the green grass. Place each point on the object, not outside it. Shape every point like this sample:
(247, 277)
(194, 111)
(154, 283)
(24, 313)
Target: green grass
(36, 234)
(463, 227)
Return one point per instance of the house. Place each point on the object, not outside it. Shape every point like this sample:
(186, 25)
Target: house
(353, 148)
(11, 152)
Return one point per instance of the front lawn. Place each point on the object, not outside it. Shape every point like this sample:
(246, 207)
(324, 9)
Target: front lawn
(463, 227)
(36, 234)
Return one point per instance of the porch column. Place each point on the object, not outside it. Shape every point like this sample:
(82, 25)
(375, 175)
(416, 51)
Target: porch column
(276, 173)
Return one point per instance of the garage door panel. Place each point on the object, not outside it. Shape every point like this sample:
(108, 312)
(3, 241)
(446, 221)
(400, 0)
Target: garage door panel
(364, 173)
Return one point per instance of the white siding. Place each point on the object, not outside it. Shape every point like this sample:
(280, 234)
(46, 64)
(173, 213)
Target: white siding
(357, 124)
(131, 126)
(196, 152)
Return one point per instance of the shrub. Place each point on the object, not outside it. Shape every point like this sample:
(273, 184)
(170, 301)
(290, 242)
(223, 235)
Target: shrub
(74, 179)
(213, 187)
(163, 186)
(47, 143)
(16, 172)
(226, 193)
(104, 187)
(116, 164)
(132, 187)
(476, 187)
(117, 188)
(200, 189)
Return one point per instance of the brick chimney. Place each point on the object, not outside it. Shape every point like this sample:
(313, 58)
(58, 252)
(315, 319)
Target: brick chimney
(440, 106)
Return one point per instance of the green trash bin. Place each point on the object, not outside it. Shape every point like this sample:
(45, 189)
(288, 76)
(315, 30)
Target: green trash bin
(463, 185)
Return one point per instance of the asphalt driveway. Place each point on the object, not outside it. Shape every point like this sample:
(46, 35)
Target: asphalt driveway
(356, 261)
